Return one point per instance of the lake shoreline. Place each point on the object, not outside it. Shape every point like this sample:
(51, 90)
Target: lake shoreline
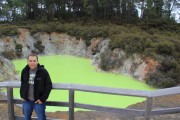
(71, 69)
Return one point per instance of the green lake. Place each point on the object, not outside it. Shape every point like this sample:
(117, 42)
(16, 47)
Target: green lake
(70, 69)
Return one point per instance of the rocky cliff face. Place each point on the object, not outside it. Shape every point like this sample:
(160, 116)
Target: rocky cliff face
(7, 71)
(119, 62)
(55, 43)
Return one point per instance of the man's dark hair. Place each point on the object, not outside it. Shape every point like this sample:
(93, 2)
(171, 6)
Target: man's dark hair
(33, 54)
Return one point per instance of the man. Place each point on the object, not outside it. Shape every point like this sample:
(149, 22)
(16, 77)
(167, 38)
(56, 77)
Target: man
(35, 88)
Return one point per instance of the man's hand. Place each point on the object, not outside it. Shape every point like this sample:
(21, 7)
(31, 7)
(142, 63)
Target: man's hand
(39, 101)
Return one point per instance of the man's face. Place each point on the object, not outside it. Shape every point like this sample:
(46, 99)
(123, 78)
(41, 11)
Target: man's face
(32, 62)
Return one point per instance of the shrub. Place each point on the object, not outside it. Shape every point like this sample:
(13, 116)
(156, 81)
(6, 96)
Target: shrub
(87, 33)
(8, 30)
(158, 79)
(129, 43)
(166, 82)
(166, 75)
(166, 48)
(150, 52)
(18, 49)
(49, 27)
(43, 20)
(167, 65)
(38, 45)
(9, 54)
(33, 31)
(105, 60)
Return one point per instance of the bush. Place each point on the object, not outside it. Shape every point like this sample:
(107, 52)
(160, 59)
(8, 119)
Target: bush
(8, 30)
(130, 43)
(49, 27)
(9, 54)
(105, 60)
(158, 79)
(18, 49)
(168, 65)
(166, 75)
(38, 45)
(166, 48)
(93, 33)
(87, 33)
(166, 83)
(43, 20)
(150, 52)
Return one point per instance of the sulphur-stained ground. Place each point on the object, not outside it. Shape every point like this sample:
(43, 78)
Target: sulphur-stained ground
(162, 102)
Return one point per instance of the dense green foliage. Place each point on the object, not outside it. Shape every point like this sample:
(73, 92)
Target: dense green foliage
(8, 30)
(167, 75)
(159, 43)
(120, 11)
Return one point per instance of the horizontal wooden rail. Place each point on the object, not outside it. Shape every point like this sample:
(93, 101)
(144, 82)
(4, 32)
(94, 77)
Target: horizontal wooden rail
(147, 112)
(33, 118)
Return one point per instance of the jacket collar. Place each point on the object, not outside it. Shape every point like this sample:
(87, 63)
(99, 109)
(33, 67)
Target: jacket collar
(38, 67)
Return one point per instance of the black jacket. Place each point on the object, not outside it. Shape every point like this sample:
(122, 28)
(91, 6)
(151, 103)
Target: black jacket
(42, 83)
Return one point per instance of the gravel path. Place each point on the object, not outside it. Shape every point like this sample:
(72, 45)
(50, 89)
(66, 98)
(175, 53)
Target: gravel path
(173, 101)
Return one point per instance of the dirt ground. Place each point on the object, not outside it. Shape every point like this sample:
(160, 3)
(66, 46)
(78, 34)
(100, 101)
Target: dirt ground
(163, 102)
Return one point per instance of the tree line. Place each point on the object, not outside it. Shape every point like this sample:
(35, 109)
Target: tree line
(125, 11)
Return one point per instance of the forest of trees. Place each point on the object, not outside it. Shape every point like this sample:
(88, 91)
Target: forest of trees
(126, 11)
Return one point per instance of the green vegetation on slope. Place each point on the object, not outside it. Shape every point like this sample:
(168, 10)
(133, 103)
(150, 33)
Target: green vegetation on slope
(160, 42)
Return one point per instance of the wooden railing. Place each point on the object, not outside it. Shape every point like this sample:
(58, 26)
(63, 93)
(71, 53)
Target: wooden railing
(147, 112)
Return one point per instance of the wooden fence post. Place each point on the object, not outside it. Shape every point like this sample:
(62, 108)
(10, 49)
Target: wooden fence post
(71, 104)
(10, 103)
(148, 108)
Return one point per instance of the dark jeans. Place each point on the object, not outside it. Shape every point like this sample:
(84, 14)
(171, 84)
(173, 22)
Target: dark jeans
(29, 106)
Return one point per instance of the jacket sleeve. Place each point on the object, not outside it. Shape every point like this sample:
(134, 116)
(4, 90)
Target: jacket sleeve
(22, 85)
(47, 87)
